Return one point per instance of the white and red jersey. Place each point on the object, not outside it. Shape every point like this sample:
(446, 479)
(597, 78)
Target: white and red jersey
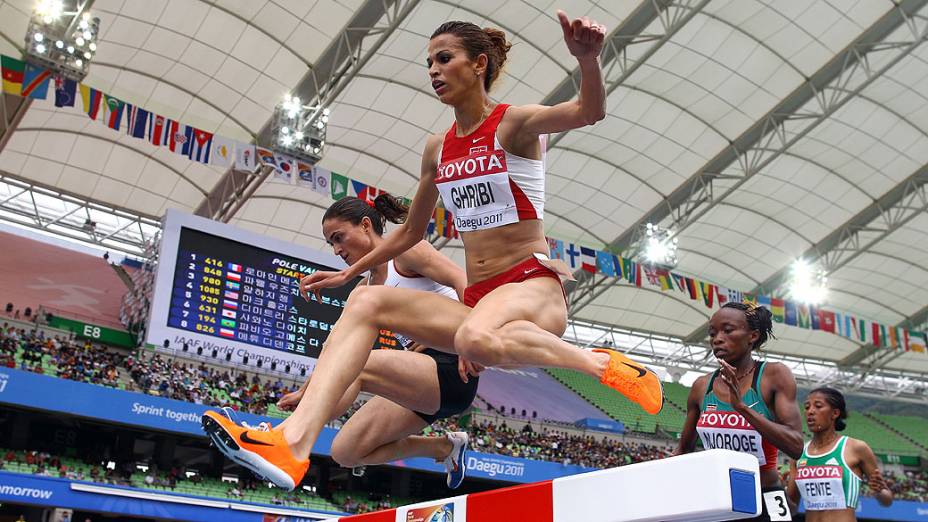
(483, 185)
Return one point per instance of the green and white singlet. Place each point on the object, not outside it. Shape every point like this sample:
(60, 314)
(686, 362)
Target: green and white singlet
(825, 481)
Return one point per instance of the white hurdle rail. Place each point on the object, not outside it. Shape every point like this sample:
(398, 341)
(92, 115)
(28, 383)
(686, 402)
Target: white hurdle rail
(704, 486)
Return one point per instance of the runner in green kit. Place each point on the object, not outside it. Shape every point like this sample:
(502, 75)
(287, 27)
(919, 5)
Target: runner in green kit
(828, 474)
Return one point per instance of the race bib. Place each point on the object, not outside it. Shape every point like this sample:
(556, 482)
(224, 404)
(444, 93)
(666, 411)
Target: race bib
(776, 506)
(821, 487)
(730, 430)
(476, 189)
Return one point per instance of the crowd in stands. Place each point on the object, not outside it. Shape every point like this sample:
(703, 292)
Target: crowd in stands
(198, 383)
(908, 485)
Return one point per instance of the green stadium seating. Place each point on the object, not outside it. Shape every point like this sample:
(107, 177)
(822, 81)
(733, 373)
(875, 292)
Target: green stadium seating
(915, 428)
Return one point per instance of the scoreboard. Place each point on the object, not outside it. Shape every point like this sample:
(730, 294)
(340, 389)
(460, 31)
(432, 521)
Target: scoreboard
(234, 294)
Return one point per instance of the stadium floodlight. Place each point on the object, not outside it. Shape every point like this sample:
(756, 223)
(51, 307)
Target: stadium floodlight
(808, 284)
(299, 130)
(51, 21)
(660, 246)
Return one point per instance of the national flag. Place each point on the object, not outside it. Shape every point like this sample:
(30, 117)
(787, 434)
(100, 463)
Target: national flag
(364, 192)
(228, 323)
(861, 330)
(750, 299)
(441, 221)
(139, 122)
(826, 320)
(632, 271)
(617, 265)
(13, 70)
(604, 263)
(778, 310)
(265, 157)
(113, 108)
(200, 145)
(232, 276)
(692, 288)
(918, 342)
(230, 294)
(91, 99)
(339, 186)
(663, 277)
(735, 296)
(708, 293)
(181, 138)
(877, 339)
(573, 256)
(231, 314)
(763, 300)
(805, 318)
(232, 285)
(721, 294)
(815, 317)
(555, 248)
(650, 273)
(450, 231)
(792, 313)
(588, 259)
(304, 174)
(226, 333)
(246, 157)
(158, 134)
(284, 168)
(356, 188)
(230, 304)
(223, 151)
(65, 92)
(35, 81)
(234, 267)
(904, 338)
(893, 338)
(322, 181)
(679, 281)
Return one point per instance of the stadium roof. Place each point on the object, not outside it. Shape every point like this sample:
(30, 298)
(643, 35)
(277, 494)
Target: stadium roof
(760, 131)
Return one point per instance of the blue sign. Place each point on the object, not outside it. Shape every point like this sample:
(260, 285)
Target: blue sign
(47, 491)
(136, 409)
(612, 426)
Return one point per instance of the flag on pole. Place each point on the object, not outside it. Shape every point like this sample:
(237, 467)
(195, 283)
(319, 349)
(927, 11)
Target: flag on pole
(65, 92)
(223, 151)
(113, 108)
(13, 70)
(284, 167)
(246, 157)
(35, 81)
(339, 186)
(588, 259)
(322, 181)
(200, 145)
(604, 263)
(91, 99)
(139, 122)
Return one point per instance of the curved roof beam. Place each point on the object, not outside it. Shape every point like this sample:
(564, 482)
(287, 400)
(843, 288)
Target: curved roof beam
(897, 258)
(614, 165)
(179, 88)
(293, 200)
(683, 109)
(372, 155)
(720, 262)
(118, 144)
(768, 218)
(394, 82)
(216, 5)
(868, 299)
(760, 42)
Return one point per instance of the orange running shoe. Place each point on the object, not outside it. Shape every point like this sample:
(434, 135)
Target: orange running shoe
(264, 452)
(638, 383)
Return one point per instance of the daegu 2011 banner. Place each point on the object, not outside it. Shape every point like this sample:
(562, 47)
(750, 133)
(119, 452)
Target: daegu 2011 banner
(230, 292)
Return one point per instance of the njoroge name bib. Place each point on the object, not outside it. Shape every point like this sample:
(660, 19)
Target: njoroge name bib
(730, 430)
(821, 487)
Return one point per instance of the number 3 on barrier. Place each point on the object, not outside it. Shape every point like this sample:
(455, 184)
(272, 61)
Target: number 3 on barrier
(777, 508)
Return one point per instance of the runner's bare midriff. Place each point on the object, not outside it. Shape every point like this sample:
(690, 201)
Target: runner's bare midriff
(493, 251)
